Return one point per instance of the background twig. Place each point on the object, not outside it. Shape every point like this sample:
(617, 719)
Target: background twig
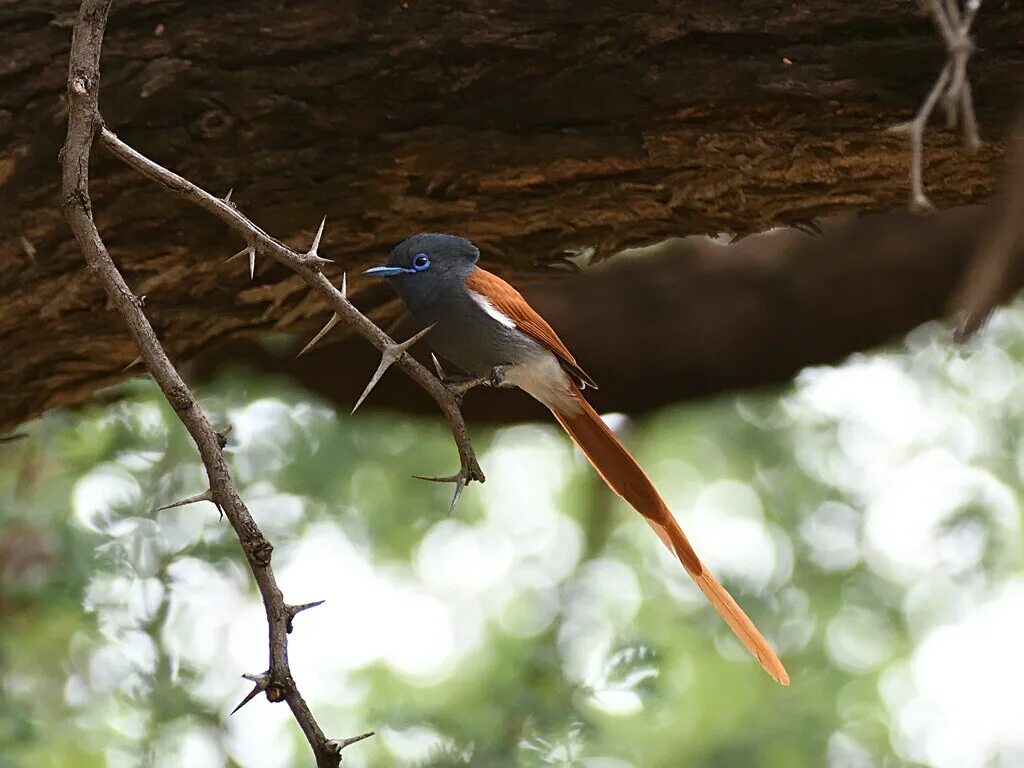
(952, 87)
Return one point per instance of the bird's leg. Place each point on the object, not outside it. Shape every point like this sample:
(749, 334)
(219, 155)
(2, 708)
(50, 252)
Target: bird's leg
(458, 384)
(457, 380)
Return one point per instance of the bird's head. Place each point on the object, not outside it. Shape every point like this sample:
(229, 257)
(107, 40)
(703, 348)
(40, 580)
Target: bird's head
(425, 263)
(426, 254)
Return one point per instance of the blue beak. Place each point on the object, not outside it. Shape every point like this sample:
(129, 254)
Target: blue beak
(387, 271)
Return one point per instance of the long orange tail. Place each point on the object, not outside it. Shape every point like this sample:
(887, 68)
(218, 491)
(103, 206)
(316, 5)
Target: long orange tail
(624, 476)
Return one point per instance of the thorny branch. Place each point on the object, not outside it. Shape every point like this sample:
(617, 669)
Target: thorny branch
(307, 265)
(952, 87)
(84, 124)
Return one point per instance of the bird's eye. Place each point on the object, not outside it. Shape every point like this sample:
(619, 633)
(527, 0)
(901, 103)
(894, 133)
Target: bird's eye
(421, 262)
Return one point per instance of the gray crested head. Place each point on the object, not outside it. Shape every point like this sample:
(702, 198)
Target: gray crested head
(425, 264)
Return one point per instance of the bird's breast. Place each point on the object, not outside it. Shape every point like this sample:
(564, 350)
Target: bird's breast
(472, 335)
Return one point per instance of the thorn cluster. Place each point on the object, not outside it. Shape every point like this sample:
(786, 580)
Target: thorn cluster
(389, 355)
(262, 682)
(312, 256)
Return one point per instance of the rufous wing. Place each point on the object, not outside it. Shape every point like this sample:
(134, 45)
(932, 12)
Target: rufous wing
(507, 300)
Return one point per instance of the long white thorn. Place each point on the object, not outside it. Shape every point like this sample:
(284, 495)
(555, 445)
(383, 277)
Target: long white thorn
(206, 495)
(344, 285)
(261, 682)
(312, 254)
(250, 251)
(390, 354)
(323, 332)
(459, 479)
(437, 367)
(316, 240)
(337, 745)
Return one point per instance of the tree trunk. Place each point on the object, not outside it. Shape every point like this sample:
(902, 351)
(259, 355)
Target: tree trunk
(531, 128)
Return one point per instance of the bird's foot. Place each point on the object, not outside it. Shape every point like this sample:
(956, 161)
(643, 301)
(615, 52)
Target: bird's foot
(460, 384)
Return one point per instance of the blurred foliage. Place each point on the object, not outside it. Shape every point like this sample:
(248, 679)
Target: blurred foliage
(856, 517)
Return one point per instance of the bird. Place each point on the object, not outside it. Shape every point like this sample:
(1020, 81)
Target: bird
(485, 327)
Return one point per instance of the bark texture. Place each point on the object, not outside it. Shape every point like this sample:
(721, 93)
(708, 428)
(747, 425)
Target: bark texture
(529, 127)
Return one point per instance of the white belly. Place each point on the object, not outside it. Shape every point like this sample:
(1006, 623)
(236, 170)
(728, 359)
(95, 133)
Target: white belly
(543, 379)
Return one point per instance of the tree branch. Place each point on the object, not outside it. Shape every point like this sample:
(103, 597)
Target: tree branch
(84, 123)
(307, 265)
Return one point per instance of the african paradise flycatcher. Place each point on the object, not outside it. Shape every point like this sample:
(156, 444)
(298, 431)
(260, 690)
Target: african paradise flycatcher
(483, 325)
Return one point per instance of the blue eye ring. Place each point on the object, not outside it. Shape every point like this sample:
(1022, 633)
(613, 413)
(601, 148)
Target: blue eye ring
(420, 262)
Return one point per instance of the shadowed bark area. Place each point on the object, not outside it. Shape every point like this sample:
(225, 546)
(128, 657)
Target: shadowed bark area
(530, 128)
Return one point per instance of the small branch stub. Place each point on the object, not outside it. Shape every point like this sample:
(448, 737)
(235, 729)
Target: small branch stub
(261, 681)
(337, 745)
(206, 495)
(460, 479)
(294, 610)
(222, 435)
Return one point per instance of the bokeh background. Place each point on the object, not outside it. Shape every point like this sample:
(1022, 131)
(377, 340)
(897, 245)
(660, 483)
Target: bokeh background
(867, 517)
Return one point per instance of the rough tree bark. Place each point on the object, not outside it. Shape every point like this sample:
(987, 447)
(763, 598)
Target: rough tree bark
(528, 127)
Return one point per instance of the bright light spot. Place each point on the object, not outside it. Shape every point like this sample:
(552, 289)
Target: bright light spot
(963, 708)
(619, 702)
(526, 468)
(529, 612)
(602, 598)
(391, 609)
(877, 406)
(256, 735)
(844, 751)
(187, 743)
(97, 493)
(276, 513)
(261, 432)
(605, 762)
(907, 521)
(430, 622)
(832, 533)
(413, 745)
(858, 640)
(455, 558)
